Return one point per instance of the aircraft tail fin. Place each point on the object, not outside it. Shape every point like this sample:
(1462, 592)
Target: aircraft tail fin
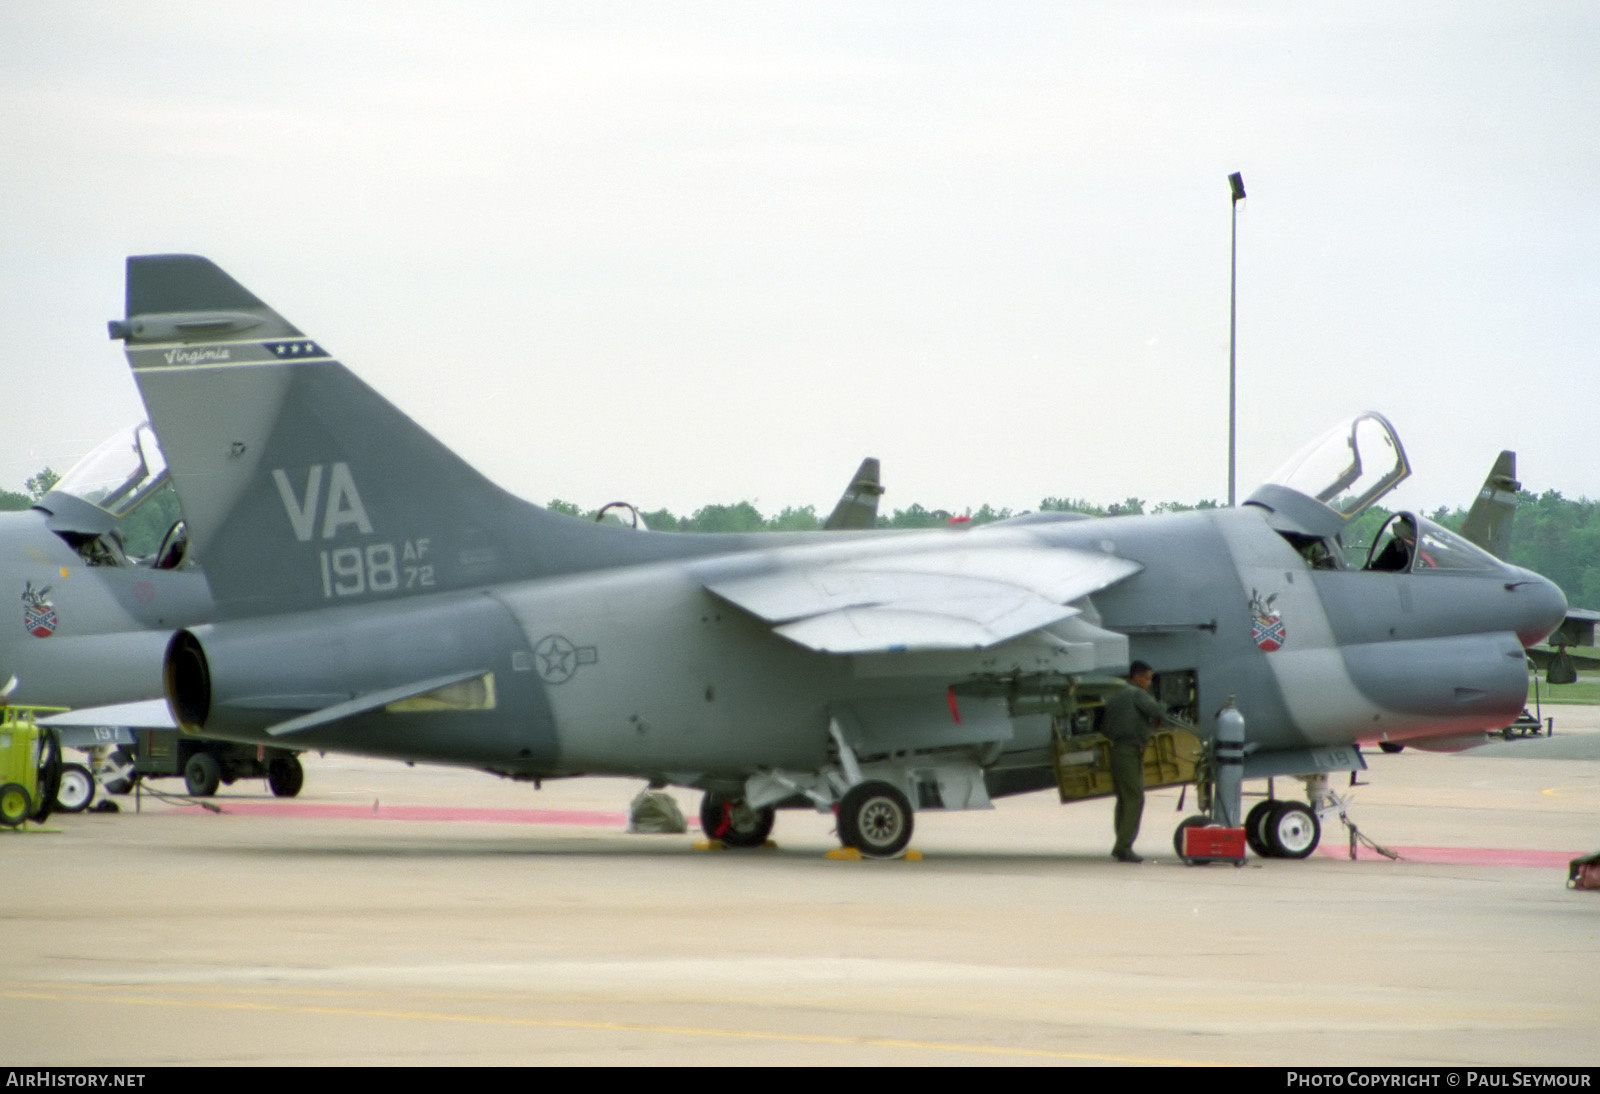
(1488, 523)
(858, 505)
(302, 486)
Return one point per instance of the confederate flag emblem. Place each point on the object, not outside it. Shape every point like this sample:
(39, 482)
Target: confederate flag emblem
(1266, 626)
(38, 614)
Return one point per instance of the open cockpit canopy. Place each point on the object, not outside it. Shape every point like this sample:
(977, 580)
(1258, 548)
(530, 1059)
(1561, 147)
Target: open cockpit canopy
(120, 473)
(1335, 478)
(117, 504)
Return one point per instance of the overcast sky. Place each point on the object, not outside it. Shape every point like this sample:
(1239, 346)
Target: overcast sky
(683, 253)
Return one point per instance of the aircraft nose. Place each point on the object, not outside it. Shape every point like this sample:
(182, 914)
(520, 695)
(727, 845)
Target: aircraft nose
(1541, 606)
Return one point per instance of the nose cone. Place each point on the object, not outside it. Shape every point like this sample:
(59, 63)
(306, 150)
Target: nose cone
(1540, 606)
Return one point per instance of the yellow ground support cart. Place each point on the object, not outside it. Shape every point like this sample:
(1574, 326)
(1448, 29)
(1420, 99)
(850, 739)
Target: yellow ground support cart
(30, 767)
(1083, 762)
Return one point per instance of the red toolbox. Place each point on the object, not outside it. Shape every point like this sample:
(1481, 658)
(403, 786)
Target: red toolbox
(1208, 843)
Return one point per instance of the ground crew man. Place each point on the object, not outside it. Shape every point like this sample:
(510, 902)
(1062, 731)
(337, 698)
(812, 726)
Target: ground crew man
(1130, 715)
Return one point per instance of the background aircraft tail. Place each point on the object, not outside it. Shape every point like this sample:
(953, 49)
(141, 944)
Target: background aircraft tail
(301, 485)
(1488, 522)
(858, 505)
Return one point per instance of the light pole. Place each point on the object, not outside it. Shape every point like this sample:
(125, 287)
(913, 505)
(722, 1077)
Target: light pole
(1236, 183)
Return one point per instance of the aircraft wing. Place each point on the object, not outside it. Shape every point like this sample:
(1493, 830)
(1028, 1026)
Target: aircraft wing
(962, 598)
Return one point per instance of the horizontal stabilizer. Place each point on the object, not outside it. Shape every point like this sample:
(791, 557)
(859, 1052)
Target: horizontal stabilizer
(150, 714)
(953, 599)
(370, 701)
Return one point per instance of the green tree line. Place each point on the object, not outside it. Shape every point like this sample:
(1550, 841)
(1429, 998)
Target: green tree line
(37, 487)
(745, 517)
(1551, 535)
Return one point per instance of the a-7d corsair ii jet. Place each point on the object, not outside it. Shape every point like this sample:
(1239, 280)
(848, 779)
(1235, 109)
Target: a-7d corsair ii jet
(377, 595)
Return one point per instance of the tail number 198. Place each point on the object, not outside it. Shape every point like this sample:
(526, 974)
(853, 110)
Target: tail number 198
(376, 568)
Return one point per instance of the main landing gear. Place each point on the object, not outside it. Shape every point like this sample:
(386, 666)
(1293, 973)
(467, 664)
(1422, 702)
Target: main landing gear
(733, 822)
(876, 819)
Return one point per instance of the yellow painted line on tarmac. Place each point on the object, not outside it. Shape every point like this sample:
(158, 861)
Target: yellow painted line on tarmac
(110, 998)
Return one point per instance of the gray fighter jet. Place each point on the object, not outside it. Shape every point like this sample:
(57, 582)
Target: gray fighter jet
(377, 595)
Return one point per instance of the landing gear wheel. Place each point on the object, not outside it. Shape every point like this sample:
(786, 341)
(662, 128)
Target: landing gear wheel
(1255, 827)
(733, 822)
(875, 819)
(15, 805)
(49, 775)
(76, 790)
(121, 784)
(202, 774)
(285, 776)
(1199, 820)
(1391, 747)
(1292, 830)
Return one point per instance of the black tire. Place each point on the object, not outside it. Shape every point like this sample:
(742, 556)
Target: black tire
(76, 789)
(1293, 830)
(119, 785)
(875, 819)
(285, 776)
(1199, 820)
(202, 774)
(49, 780)
(1255, 827)
(15, 805)
(1391, 747)
(732, 822)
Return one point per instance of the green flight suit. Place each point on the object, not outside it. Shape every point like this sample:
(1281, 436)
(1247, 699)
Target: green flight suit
(1130, 715)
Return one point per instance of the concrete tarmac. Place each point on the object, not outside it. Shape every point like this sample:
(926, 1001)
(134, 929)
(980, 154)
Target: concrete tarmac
(395, 915)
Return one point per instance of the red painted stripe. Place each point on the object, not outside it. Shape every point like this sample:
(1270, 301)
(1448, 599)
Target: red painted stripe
(595, 818)
(1457, 856)
(330, 811)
